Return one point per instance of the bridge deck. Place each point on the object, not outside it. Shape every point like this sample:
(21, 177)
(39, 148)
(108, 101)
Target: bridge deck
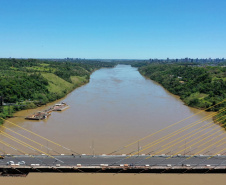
(113, 164)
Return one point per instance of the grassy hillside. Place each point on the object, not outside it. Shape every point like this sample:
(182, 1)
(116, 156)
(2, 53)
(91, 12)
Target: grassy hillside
(30, 83)
(59, 87)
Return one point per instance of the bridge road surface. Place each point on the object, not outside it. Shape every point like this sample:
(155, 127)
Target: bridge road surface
(114, 160)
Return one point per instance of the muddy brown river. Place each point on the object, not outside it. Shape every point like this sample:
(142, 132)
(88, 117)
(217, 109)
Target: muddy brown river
(117, 107)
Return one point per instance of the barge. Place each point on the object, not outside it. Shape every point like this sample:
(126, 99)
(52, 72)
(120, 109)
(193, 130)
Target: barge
(46, 113)
(60, 107)
(38, 116)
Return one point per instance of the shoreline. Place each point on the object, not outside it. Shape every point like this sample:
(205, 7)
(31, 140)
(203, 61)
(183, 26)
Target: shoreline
(87, 119)
(213, 117)
(44, 106)
(49, 104)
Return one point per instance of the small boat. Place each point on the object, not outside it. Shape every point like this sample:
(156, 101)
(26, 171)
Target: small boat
(38, 116)
(60, 107)
(46, 113)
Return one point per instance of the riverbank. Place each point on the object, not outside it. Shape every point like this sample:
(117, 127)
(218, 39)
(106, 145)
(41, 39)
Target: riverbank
(115, 99)
(58, 87)
(199, 87)
(118, 106)
(30, 83)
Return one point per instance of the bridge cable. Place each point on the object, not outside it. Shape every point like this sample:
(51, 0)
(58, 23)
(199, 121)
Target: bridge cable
(210, 123)
(27, 145)
(177, 153)
(221, 144)
(201, 136)
(198, 142)
(177, 132)
(177, 143)
(39, 135)
(21, 142)
(195, 138)
(218, 119)
(177, 138)
(208, 146)
(30, 139)
(220, 162)
(24, 153)
(183, 140)
(168, 147)
(160, 142)
(208, 159)
(200, 150)
(30, 147)
(147, 147)
(180, 151)
(201, 141)
(164, 128)
(205, 147)
(12, 147)
(180, 131)
(188, 146)
(32, 156)
(19, 150)
(189, 126)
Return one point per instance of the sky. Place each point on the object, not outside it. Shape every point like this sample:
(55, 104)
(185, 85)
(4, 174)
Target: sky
(113, 29)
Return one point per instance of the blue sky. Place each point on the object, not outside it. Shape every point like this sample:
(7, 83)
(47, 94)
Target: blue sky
(117, 29)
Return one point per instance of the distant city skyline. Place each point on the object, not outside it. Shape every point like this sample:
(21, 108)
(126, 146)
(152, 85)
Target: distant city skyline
(119, 29)
(74, 58)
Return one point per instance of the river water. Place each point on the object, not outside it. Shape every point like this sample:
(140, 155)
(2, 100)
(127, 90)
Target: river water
(117, 107)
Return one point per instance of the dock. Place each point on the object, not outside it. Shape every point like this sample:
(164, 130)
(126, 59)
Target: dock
(46, 113)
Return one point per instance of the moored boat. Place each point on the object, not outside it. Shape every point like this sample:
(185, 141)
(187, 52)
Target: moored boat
(60, 107)
(39, 116)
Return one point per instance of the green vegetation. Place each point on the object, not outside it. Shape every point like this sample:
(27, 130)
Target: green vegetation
(198, 86)
(30, 83)
(220, 117)
(58, 87)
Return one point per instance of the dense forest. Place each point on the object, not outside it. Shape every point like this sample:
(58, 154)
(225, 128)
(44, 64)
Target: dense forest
(28, 83)
(198, 86)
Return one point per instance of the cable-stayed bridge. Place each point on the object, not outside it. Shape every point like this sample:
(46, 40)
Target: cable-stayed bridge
(112, 164)
(194, 148)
